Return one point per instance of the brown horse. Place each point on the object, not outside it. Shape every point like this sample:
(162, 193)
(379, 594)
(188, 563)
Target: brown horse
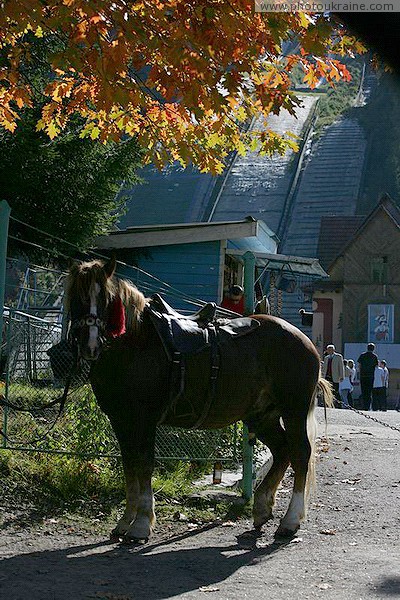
(268, 379)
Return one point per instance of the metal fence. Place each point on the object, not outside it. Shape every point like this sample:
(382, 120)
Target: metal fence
(34, 376)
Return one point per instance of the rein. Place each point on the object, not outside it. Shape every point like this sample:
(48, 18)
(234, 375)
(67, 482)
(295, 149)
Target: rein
(61, 400)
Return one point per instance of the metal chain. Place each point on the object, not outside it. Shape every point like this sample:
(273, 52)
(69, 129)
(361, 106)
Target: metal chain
(359, 412)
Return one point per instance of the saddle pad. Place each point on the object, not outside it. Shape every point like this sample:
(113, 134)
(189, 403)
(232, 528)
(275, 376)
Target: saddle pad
(187, 337)
(235, 328)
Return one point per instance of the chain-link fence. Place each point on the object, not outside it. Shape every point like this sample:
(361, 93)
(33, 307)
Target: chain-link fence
(37, 364)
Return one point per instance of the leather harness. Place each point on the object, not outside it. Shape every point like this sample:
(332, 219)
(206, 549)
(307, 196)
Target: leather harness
(183, 335)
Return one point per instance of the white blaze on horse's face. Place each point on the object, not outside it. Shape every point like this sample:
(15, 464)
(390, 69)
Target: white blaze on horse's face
(94, 342)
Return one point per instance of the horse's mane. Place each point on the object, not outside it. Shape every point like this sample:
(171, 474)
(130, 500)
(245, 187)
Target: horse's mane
(133, 301)
(82, 277)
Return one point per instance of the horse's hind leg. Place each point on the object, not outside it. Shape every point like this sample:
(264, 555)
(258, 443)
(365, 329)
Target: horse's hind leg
(300, 435)
(272, 435)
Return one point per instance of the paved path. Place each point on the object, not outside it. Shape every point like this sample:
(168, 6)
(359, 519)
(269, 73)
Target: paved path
(348, 549)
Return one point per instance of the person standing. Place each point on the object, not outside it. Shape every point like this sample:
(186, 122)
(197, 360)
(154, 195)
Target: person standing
(345, 386)
(378, 388)
(353, 379)
(386, 382)
(333, 370)
(367, 361)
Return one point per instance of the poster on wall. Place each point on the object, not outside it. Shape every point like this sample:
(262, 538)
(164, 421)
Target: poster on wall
(381, 323)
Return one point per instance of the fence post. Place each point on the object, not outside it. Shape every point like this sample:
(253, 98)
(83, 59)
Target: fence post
(4, 218)
(249, 270)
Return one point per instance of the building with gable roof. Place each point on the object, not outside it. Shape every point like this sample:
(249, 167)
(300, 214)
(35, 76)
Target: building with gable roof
(360, 302)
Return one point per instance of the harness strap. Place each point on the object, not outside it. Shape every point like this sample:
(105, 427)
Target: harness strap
(178, 371)
(215, 366)
(177, 376)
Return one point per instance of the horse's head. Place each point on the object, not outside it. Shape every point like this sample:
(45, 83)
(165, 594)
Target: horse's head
(90, 292)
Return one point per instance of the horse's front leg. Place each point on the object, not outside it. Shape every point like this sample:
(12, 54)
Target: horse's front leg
(137, 451)
(142, 525)
(132, 500)
(138, 518)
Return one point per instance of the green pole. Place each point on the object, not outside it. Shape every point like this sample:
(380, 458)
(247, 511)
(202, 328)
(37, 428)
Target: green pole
(249, 278)
(4, 218)
(249, 272)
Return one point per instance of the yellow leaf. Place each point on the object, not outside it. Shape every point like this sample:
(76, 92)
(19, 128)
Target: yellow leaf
(52, 130)
(94, 134)
(304, 20)
(241, 148)
(213, 140)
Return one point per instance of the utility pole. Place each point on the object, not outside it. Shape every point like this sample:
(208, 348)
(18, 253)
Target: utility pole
(4, 219)
(249, 277)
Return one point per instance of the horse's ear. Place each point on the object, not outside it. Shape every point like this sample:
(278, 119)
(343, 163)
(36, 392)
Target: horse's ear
(110, 266)
(72, 265)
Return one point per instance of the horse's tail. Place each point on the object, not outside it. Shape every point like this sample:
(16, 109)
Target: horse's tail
(323, 386)
(327, 391)
(312, 436)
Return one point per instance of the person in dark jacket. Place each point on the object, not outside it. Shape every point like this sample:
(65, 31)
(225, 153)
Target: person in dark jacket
(367, 361)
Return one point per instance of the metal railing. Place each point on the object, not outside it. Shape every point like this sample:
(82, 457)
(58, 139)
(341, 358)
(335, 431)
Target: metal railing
(36, 369)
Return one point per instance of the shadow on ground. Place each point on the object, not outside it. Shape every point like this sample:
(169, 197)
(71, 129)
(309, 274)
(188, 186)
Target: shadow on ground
(149, 572)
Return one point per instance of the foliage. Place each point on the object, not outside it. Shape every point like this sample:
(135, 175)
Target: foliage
(174, 480)
(61, 482)
(339, 99)
(181, 76)
(67, 187)
(82, 485)
(89, 431)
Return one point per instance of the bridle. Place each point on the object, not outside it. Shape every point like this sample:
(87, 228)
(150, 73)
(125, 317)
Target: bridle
(88, 320)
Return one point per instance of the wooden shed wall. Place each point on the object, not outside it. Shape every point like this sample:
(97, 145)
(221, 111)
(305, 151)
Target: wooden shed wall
(194, 269)
(380, 237)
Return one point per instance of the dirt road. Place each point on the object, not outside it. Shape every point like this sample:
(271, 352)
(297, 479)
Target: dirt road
(348, 549)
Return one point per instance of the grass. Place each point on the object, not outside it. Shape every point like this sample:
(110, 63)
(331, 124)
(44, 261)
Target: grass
(42, 485)
(37, 487)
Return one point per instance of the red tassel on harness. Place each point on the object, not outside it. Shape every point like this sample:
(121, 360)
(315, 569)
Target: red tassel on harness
(116, 322)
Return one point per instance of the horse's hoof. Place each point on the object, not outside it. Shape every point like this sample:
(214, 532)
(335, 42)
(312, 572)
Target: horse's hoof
(285, 532)
(134, 540)
(115, 536)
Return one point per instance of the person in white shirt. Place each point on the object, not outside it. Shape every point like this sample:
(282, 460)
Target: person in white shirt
(378, 389)
(353, 379)
(345, 386)
(382, 364)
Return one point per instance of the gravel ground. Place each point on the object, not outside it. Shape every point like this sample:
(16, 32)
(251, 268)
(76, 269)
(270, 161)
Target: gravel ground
(348, 548)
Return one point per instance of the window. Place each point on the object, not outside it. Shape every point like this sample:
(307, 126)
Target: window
(379, 270)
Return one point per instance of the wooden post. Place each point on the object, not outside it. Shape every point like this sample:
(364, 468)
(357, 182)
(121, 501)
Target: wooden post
(249, 277)
(4, 218)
